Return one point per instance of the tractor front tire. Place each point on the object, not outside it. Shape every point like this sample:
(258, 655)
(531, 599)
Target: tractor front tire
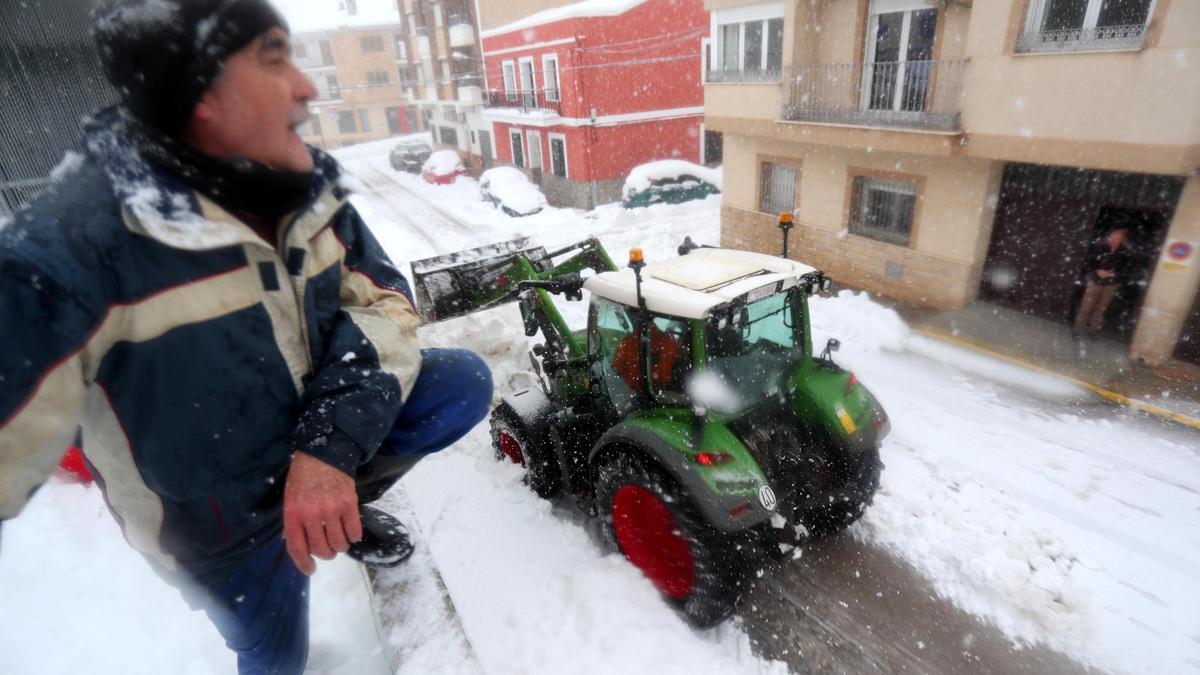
(648, 518)
(513, 441)
(830, 518)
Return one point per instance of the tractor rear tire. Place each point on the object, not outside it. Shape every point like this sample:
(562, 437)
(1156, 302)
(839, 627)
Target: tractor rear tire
(648, 518)
(514, 441)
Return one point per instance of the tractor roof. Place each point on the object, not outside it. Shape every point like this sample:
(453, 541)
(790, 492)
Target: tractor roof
(690, 286)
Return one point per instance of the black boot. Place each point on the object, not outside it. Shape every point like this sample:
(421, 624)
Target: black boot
(385, 541)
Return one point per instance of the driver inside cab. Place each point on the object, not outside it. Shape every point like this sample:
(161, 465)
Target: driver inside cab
(665, 352)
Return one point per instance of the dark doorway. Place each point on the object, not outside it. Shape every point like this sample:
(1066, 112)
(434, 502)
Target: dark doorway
(485, 148)
(1046, 219)
(714, 146)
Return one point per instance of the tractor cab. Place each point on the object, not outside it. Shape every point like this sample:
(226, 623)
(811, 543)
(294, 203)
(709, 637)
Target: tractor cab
(741, 315)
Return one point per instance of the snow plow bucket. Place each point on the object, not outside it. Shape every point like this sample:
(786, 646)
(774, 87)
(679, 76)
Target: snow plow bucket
(467, 281)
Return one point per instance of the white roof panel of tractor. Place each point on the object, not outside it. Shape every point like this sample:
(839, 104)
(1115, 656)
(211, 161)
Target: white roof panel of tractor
(691, 286)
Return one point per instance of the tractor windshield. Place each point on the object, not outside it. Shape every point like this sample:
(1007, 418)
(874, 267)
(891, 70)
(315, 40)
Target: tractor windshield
(754, 346)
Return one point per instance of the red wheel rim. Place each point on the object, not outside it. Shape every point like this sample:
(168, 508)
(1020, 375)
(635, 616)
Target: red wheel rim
(511, 448)
(652, 541)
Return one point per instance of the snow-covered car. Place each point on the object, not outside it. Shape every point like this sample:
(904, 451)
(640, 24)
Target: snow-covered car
(511, 191)
(669, 181)
(443, 167)
(410, 155)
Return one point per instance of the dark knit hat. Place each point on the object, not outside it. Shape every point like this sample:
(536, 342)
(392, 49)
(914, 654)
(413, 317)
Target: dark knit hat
(162, 54)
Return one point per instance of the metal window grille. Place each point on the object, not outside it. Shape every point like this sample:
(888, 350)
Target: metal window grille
(51, 78)
(778, 188)
(883, 210)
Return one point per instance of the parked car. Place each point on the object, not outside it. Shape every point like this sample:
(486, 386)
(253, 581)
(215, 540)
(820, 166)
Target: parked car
(443, 167)
(410, 155)
(510, 190)
(669, 181)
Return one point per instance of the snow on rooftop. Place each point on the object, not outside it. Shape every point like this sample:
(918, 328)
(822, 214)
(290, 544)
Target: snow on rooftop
(307, 16)
(578, 10)
(641, 175)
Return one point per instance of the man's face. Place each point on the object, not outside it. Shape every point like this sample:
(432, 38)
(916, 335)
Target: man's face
(253, 107)
(1117, 237)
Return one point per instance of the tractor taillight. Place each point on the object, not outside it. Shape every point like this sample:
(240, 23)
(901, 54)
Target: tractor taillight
(850, 384)
(712, 458)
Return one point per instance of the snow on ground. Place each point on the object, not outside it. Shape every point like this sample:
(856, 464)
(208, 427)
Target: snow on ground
(1022, 500)
(1061, 520)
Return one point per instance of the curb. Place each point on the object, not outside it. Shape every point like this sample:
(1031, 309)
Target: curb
(1112, 396)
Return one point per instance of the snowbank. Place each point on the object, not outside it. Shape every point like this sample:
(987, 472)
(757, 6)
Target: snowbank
(641, 176)
(513, 189)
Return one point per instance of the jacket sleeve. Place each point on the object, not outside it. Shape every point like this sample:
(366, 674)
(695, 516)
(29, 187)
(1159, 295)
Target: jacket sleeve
(41, 381)
(372, 359)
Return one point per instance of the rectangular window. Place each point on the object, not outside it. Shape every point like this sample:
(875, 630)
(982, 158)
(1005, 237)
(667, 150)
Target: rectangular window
(364, 120)
(883, 209)
(775, 45)
(299, 50)
(752, 48)
(346, 123)
(393, 120)
(437, 15)
(371, 43)
(778, 188)
(1074, 25)
(377, 77)
(326, 53)
(331, 86)
(401, 48)
(550, 77)
(510, 80)
(558, 155)
(449, 136)
(534, 139)
(316, 123)
(730, 46)
(518, 152)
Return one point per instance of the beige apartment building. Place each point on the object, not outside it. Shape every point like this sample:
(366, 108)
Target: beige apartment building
(438, 51)
(361, 95)
(941, 152)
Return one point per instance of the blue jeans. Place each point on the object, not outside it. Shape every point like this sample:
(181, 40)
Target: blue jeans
(261, 608)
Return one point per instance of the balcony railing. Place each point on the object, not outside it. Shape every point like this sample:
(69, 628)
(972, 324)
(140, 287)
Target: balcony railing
(526, 100)
(912, 94)
(743, 75)
(1084, 39)
(458, 20)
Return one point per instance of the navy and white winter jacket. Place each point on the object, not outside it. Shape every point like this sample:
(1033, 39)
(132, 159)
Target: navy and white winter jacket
(194, 355)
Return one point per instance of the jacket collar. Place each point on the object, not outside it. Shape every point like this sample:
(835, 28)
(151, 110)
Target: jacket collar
(162, 206)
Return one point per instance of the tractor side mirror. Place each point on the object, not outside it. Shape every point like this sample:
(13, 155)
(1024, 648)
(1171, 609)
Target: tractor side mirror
(830, 347)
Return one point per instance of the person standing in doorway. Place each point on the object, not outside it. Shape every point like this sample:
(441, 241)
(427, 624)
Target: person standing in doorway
(1105, 269)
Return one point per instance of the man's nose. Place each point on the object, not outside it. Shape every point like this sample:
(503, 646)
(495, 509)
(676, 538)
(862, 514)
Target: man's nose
(302, 87)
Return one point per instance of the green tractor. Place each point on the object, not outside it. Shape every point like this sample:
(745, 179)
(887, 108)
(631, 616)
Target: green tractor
(691, 416)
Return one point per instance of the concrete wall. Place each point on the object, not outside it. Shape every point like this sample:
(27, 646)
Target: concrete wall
(951, 228)
(1173, 286)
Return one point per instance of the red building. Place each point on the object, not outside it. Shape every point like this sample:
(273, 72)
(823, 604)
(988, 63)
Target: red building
(579, 95)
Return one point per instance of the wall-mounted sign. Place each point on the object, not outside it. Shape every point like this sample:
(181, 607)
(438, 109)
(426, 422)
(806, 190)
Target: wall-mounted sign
(1178, 255)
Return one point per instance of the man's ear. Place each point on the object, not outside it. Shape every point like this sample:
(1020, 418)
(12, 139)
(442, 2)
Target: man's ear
(207, 107)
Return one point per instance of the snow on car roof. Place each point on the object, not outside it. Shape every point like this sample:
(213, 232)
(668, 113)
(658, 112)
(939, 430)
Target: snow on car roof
(641, 175)
(691, 286)
(442, 162)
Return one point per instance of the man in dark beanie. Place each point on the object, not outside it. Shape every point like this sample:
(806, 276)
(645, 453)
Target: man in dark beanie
(200, 298)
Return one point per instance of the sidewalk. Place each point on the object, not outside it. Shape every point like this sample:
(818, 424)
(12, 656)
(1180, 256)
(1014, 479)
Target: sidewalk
(1171, 391)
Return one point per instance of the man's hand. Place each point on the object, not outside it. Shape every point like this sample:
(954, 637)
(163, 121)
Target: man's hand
(320, 512)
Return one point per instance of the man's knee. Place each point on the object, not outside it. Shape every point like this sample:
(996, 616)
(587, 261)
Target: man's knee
(464, 377)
